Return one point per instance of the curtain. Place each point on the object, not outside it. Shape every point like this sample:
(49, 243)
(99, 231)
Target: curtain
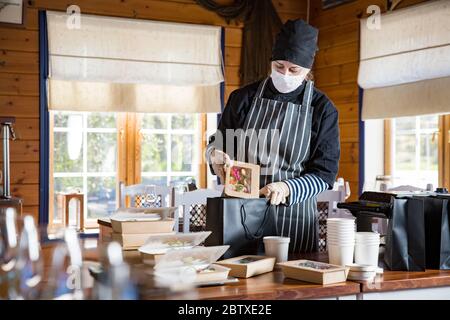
(115, 64)
(261, 24)
(405, 64)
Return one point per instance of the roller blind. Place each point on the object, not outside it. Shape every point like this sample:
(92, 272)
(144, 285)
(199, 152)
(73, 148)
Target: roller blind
(115, 64)
(405, 65)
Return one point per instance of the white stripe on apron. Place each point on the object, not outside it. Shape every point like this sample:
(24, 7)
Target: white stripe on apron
(294, 124)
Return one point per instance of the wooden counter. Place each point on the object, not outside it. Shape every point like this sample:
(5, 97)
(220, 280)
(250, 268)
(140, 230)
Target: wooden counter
(273, 286)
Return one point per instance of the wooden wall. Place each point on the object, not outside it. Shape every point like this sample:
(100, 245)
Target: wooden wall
(336, 70)
(19, 68)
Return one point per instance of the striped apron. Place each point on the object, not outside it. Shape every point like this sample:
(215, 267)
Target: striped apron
(276, 136)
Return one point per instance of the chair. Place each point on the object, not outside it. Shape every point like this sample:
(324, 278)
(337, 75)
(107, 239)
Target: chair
(193, 206)
(137, 195)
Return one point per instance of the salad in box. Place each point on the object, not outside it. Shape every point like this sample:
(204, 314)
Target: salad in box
(157, 245)
(242, 180)
(194, 265)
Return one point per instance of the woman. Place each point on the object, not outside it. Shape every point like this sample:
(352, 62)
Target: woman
(296, 124)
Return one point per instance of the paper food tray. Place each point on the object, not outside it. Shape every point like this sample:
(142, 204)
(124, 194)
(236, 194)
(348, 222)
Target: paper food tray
(160, 244)
(196, 257)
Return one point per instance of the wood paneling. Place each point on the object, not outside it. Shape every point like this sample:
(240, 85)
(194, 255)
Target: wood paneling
(335, 75)
(19, 62)
(27, 129)
(19, 67)
(24, 172)
(232, 76)
(19, 39)
(19, 84)
(337, 55)
(349, 152)
(233, 37)
(232, 56)
(349, 132)
(24, 151)
(28, 192)
(19, 106)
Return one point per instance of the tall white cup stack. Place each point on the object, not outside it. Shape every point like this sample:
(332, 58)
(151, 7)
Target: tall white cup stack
(340, 240)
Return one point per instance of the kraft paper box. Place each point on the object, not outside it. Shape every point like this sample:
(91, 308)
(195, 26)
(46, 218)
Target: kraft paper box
(242, 180)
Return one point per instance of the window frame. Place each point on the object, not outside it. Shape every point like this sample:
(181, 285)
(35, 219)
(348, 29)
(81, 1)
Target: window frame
(128, 157)
(198, 136)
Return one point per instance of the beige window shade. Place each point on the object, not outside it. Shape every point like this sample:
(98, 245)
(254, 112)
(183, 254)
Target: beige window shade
(411, 48)
(114, 64)
(409, 99)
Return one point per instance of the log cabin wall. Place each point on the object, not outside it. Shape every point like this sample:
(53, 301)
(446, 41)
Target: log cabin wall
(19, 68)
(336, 71)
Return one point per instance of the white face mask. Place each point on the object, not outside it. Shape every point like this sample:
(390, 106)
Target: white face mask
(286, 83)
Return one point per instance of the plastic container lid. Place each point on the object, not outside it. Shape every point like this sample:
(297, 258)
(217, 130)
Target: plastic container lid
(146, 214)
(159, 244)
(197, 258)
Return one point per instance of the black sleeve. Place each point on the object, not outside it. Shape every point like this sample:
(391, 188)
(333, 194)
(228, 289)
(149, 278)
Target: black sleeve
(325, 147)
(233, 117)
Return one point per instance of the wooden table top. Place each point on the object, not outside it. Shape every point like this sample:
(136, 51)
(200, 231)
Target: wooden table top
(401, 280)
(273, 285)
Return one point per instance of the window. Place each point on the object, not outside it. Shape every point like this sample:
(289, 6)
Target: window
(84, 159)
(169, 151)
(415, 151)
(92, 152)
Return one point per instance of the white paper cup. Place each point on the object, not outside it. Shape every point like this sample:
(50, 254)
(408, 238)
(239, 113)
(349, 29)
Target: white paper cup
(340, 255)
(277, 247)
(367, 253)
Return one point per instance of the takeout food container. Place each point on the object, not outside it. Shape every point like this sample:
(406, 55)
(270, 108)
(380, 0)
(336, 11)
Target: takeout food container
(141, 221)
(242, 180)
(191, 266)
(313, 271)
(134, 240)
(248, 266)
(156, 246)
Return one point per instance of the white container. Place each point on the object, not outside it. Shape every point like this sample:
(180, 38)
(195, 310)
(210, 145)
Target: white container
(277, 247)
(367, 253)
(340, 255)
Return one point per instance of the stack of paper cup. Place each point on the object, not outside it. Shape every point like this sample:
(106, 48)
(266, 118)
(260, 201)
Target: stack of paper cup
(340, 240)
(367, 248)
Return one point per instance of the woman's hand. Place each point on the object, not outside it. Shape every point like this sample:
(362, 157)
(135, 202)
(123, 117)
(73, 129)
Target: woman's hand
(219, 161)
(277, 192)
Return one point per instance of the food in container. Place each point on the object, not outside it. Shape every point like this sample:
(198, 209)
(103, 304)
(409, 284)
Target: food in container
(157, 246)
(195, 265)
(248, 266)
(242, 180)
(313, 271)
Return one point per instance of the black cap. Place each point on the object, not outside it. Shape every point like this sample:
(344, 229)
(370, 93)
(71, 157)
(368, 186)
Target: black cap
(297, 43)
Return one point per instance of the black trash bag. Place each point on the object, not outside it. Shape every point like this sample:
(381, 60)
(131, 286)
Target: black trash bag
(239, 223)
